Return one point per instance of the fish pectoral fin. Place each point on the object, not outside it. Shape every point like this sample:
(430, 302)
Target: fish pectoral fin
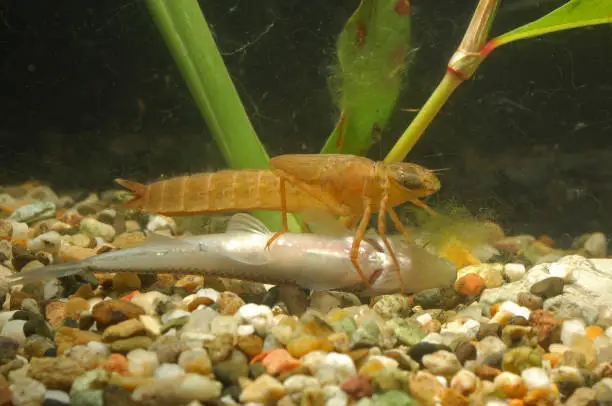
(245, 223)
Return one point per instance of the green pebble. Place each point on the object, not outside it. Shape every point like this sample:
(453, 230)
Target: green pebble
(517, 359)
(394, 398)
(409, 332)
(366, 335)
(94, 397)
(175, 323)
(346, 325)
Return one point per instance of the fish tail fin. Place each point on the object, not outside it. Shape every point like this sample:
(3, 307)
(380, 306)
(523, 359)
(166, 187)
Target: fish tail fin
(45, 273)
(139, 191)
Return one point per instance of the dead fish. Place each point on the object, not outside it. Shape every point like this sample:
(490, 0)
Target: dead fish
(311, 261)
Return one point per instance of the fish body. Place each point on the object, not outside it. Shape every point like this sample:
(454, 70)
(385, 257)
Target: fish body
(312, 261)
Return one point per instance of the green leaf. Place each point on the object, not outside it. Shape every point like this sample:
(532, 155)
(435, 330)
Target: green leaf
(189, 39)
(372, 51)
(573, 14)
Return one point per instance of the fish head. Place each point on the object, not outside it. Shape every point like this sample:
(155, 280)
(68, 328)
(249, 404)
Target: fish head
(420, 270)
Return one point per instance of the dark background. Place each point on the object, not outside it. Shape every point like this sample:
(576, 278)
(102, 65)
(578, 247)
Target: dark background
(527, 138)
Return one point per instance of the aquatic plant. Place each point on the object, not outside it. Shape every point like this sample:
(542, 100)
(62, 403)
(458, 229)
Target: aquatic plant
(372, 51)
(476, 47)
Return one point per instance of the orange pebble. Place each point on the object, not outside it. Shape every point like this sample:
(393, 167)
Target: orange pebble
(129, 296)
(470, 285)
(592, 332)
(553, 357)
(116, 363)
(494, 308)
(276, 361)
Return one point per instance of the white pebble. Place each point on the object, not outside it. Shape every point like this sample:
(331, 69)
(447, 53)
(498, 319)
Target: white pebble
(442, 363)
(210, 293)
(514, 309)
(424, 318)
(464, 381)
(535, 378)
(20, 231)
(224, 325)
(149, 301)
(336, 368)
(158, 222)
(334, 396)
(434, 338)
(298, 383)
(468, 327)
(169, 371)
(55, 396)
(514, 272)
(259, 316)
(488, 346)
(142, 362)
(14, 329)
(173, 315)
(151, 324)
(245, 330)
(569, 328)
(27, 392)
(49, 241)
(563, 271)
(99, 348)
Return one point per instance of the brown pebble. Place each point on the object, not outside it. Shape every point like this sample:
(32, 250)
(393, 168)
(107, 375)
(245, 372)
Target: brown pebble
(206, 301)
(54, 312)
(228, 303)
(486, 372)
(115, 311)
(67, 337)
(251, 345)
(124, 329)
(358, 386)
(548, 329)
(602, 370)
(190, 283)
(126, 345)
(465, 352)
(530, 301)
(55, 373)
(129, 239)
(74, 308)
(489, 329)
(452, 397)
(18, 297)
(126, 282)
(6, 395)
(84, 291)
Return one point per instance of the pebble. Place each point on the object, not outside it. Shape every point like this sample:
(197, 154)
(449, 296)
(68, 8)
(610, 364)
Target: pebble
(265, 389)
(533, 335)
(94, 228)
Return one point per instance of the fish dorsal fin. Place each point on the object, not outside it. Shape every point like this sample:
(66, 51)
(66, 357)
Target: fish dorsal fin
(245, 223)
(322, 222)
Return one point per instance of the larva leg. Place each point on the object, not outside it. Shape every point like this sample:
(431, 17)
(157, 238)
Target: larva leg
(382, 231)
(283, 198)
(399, 224)
(355, 248)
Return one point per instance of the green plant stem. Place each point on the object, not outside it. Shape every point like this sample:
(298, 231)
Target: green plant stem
(426, 114)
(189, 39)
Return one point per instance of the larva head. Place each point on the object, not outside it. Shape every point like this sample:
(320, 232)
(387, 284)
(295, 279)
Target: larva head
(422, 181)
